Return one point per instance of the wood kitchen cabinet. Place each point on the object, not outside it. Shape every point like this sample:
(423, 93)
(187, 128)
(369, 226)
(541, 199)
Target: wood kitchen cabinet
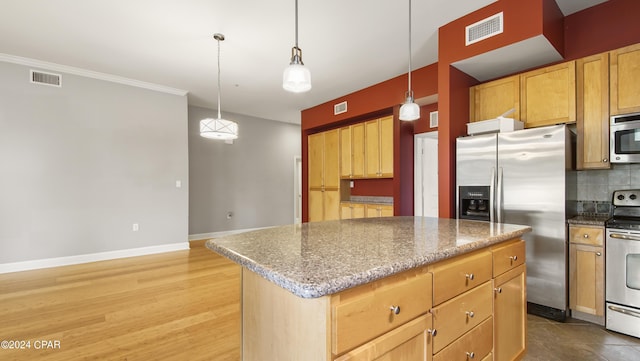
(624, 75)
(352, 151)
(592, 79)
(349, 210)
(492, 99)
(548, 95)
(379, 210)
(379, 148)
(324, 179)
(586, 272)
(509, 301)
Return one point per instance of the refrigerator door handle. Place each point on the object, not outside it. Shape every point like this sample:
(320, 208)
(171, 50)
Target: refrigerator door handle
(492, 199)
(499, 197)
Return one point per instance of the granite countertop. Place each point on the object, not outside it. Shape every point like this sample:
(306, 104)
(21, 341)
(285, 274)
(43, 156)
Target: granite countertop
(321, 258)
(598, 220)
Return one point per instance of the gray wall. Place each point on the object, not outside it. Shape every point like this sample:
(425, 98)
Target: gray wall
(253, 178)
(80, 164)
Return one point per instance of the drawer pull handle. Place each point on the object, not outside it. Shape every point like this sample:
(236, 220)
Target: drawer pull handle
(471, 355)
(470, 276)
(432, 332)
(586, 235)
(498, 290)
(598, 253)
(395, 309)
(470, 314)
(513, 258)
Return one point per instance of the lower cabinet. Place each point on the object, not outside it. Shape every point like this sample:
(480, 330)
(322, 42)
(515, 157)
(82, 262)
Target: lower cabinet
(350, 210)
(586, 272)
(324, 204)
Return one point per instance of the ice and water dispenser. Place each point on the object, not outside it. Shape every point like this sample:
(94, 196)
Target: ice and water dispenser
(474, 203)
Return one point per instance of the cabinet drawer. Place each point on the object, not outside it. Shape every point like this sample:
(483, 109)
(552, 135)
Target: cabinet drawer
(457, 316)
(586, 235)
(455, 276)
(410, 341)
(507, 257)
(371, 305)
(477, 342)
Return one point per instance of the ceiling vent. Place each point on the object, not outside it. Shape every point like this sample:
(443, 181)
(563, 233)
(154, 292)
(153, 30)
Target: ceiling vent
(484, 29)
(340, 108)
(433, 119)
(44, 78)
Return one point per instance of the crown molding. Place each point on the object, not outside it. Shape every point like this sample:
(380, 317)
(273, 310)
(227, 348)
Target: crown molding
(90, 74)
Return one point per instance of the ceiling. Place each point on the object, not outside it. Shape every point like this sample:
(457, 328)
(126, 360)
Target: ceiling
(347, 45)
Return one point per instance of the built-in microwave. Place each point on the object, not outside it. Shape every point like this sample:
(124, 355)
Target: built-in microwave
(624, 140)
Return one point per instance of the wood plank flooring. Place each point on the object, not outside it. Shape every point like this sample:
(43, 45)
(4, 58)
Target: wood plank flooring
(181, 305)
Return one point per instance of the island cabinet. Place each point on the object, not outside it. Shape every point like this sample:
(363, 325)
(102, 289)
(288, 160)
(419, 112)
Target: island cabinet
(625, 72)
(592, 80)
(324, 180)
(586, 272)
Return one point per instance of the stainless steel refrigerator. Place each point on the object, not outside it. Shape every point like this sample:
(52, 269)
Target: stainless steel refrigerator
(524, 177)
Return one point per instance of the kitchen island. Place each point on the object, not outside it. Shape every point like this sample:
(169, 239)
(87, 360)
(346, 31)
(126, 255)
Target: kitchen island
(401, 288)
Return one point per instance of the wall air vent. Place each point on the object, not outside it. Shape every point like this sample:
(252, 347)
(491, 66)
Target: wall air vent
(484, 29)
(340, 108)
(433, 119)
(41, 77)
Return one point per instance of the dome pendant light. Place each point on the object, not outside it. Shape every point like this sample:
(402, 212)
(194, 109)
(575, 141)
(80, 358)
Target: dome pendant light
(296, 77)
(218, 128)
(409, 110)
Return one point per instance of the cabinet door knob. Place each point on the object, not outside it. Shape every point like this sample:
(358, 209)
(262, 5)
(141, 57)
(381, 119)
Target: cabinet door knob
(498, 290)
(470, 314)
(471, 355)
(513, 258)
(432, 332)
(605, 160)
(598, 253)
(586, 235)
(395, 309)
(470, 276)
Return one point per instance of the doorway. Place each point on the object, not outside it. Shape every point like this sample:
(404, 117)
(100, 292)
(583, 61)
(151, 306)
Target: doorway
(426, 175)
(297, 189)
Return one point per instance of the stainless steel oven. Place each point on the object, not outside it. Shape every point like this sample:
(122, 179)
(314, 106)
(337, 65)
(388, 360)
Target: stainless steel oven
(622, 290)
(624, 143)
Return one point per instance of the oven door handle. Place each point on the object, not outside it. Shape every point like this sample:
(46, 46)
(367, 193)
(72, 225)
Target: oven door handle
(623, 311)
(624, 236)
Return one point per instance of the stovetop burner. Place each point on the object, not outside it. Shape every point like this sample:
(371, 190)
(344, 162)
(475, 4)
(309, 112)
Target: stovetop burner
(626, 210)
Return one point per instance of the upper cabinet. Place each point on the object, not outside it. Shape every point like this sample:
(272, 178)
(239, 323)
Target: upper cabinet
(379, 148)
(324, 160)
(592, 78)
(548, 95)
(352, 151)
(492, 99)
(624, 75)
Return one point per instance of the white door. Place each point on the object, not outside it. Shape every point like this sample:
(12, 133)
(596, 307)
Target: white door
(426, 175)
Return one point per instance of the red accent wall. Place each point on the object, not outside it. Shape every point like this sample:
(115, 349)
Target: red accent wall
(373, 187)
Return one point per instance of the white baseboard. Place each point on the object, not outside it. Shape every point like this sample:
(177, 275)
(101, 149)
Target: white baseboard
(93, 257)
(199, 236)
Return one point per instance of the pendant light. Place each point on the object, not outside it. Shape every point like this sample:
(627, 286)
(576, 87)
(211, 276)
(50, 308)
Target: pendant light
(409, 110)
(218, 128)
(296, 77)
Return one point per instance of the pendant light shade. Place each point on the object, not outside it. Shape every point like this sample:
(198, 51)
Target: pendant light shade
(409, 110)
(296, 77)
(218, 128)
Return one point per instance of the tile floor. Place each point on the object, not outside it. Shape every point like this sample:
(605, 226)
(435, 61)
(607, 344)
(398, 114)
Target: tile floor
(577, 340)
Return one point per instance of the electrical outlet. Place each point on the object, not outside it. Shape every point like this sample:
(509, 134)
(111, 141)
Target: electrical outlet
(135, 227)
(178, 184)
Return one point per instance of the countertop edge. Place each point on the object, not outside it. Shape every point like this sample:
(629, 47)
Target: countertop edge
(315, 290)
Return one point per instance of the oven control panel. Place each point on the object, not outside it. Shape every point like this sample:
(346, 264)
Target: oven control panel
(627, 198)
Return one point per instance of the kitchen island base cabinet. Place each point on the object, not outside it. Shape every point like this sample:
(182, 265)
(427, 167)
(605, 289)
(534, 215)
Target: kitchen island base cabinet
(510, 315)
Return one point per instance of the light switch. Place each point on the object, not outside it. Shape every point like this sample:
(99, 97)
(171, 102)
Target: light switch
(178, 184)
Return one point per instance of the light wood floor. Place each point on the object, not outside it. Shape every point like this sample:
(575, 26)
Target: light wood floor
(181, 305)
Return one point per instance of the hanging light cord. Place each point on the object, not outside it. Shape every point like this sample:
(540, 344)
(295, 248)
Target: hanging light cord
(409, 74)
(297, 24)
(219, 116)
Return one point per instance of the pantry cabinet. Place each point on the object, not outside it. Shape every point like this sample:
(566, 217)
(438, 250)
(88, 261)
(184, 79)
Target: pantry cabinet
(379, 148)
(586, 271)
(492, 99)
(324, 179)
(624, 75)
(548, 95)
(592, 79)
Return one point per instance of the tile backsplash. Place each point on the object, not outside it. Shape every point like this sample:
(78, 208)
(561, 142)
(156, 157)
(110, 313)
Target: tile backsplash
(595, 187)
